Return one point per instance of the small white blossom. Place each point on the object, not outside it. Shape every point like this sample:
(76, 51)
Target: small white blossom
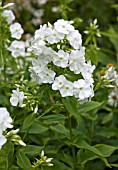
(47, 76)
(110, 73)
(81, 89)
(9, 16)
(77, 60)
(66, 89)
(113, 97)
(34, 75)
(54, 36)
(3, 140)
(61, 59)
(58, 82)
(5, 119)
(17, 48)
(63, 26)
(87, 70)
(75, 39)
(17, 97)
(16, 30)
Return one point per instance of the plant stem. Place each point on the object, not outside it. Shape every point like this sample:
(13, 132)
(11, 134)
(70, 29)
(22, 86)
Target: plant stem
(71, 139)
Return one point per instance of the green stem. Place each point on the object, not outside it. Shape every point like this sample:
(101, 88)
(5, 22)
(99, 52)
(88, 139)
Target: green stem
(71, 139)
(91, 131)
(2, 49)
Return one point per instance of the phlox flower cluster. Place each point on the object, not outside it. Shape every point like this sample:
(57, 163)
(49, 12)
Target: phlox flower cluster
(112, 75)
(60, 45)
(5, 122)
(17, 48)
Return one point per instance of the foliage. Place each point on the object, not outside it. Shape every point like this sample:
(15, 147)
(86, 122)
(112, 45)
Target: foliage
(78, 136)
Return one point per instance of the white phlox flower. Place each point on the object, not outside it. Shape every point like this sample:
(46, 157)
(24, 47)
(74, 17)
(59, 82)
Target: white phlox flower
(63, 26)
(75, 39)
(87, 70)
(113, 97)
(17, 48)
(77, 60)
(58, 82)
(61, 59)
(47, 76)
(16, 30)
(110, 73)
(17, 97)
(81, 89)
(9, 16)
(34, 75)
(5, 122)
(54, 36)
(3, 140)
(5, 119)
(66, 89)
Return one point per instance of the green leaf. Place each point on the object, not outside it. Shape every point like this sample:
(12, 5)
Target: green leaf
(32, 150)
(29, 120)
(93, 151)
(113, 36)
(71, 105)
(59, 128)
(55, 118)
(6, 155)
(104, 59)
(89, 106)
(107, 118)
(91, 55)
(14, 168)
(23, 161)
(114, 165)
(105, 150)
(37, 129)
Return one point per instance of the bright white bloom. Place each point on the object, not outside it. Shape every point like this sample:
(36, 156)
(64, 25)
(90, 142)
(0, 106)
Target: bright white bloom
(17, 48)
(58, 82)
(17, 97)
(66, 89)
(47, 76)
(35, 48)
(40, 35)
(81, 89)
(5, 119)
(3, 140)
(87, 70)
(61, 59)
(34, 75)
(63, 26)
(110, 73)
(77, 60)
(38, 64)
(116, 79)
(75, 39)
(10, 16)
(54, 36)
(16, 30)
(113, 97)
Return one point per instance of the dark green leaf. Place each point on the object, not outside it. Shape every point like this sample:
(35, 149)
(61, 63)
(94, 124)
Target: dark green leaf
(29, 120)
(23, 161)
